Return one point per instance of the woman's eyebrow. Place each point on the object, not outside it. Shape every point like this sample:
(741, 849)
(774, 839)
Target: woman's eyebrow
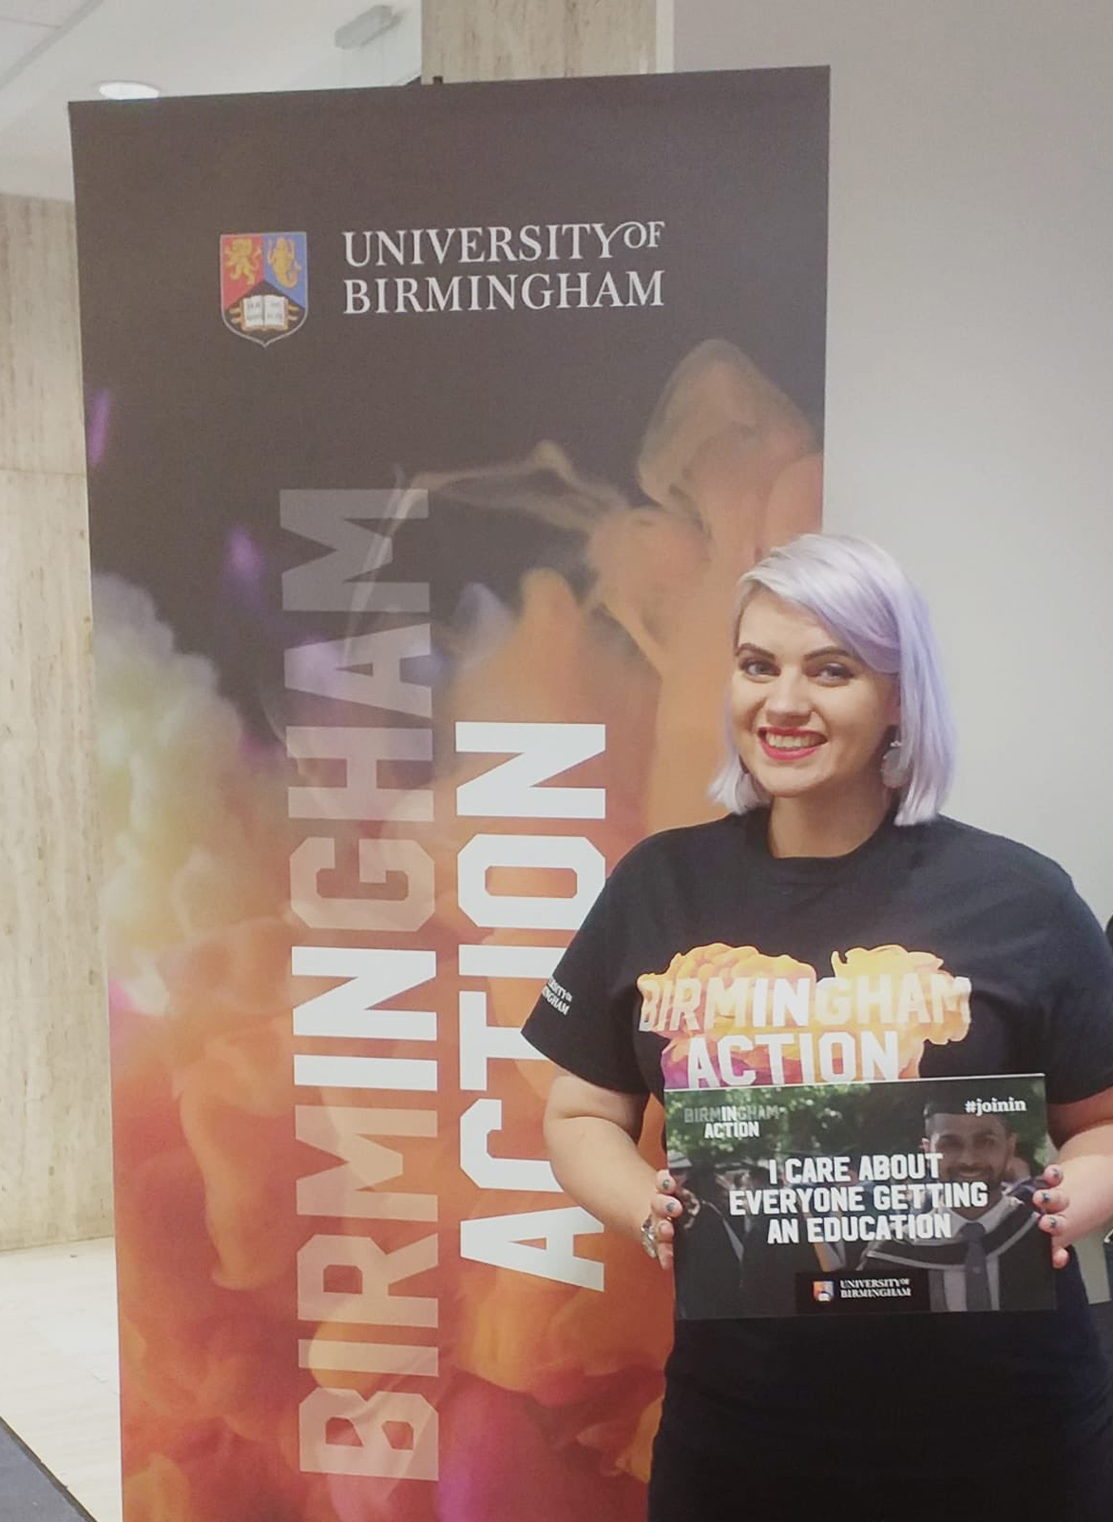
(829, 650)
(812, 655)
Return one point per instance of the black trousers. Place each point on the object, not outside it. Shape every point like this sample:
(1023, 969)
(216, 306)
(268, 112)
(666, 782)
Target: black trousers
(945, 1483)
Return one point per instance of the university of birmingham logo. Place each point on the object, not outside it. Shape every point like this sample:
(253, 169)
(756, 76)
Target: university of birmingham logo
(823, 1290)
(264, 284)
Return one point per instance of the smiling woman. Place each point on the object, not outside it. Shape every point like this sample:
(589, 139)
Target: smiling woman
(853, 669)
(808, 717)
(704, 965)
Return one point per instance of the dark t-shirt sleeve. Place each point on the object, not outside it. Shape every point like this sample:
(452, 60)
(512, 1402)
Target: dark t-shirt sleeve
(584, 1017)
(1078, 1035)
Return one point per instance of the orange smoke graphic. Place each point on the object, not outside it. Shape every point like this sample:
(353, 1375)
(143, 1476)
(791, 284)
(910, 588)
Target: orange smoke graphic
(547, 1395)
(767, 1010)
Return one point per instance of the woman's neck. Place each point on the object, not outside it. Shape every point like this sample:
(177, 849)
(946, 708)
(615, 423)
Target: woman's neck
(815, 825)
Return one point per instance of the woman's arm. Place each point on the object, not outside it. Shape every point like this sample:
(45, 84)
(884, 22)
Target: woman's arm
(1083, 1202)
(592, 1135)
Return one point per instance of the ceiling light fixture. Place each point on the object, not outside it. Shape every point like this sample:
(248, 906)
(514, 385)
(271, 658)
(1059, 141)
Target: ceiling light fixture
(128, 89)
(365, 27)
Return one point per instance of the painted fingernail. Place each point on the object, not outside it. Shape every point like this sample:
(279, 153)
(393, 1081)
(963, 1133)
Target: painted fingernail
(673, 1207)
(666, 1184)
(1053, 1222)
(1045, 1196)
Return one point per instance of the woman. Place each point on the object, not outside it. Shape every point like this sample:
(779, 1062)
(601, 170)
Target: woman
(842, 755)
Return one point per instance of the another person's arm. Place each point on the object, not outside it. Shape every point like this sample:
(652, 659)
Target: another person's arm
(1079, 1044)
(1079, 1197)
(592, 1135)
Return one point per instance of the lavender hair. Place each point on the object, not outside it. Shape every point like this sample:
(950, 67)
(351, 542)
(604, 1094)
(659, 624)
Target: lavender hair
(858, 591)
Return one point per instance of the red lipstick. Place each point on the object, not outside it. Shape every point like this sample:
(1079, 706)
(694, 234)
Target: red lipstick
(797, 750)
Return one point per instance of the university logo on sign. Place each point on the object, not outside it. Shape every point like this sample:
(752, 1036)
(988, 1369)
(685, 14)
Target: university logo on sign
(823, 1290)
(264, 284)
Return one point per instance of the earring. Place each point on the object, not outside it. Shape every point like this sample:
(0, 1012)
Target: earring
(892, 772)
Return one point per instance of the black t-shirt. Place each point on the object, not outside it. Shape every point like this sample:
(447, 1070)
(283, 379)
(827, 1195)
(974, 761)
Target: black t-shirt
(1016, 977)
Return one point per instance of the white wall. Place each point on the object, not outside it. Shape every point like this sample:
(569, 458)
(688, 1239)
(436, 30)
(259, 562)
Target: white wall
(970, 363)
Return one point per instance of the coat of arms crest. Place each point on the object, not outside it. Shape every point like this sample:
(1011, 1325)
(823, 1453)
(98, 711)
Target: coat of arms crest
(264, 284)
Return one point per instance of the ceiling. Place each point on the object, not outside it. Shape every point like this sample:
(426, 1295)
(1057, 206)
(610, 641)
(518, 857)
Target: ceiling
(55, 51)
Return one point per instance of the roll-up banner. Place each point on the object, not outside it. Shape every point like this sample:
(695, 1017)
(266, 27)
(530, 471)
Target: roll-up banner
(429, 430)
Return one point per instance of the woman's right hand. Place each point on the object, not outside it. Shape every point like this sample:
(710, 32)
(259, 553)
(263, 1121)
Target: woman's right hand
(666, 1212)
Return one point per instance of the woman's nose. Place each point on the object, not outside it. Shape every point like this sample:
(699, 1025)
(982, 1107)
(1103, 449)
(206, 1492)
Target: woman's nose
(787, 701)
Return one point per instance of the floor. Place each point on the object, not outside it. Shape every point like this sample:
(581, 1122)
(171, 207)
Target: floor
(59, 1378)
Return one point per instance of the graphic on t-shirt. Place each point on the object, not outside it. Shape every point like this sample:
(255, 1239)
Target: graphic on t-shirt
(734, 1016)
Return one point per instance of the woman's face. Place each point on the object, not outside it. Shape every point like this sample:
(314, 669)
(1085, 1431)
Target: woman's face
(806, 715)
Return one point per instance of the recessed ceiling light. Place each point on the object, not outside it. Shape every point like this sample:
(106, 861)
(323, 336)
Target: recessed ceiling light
(128, 89)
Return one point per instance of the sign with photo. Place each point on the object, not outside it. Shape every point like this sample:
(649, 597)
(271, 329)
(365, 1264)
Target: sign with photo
(823, 1199)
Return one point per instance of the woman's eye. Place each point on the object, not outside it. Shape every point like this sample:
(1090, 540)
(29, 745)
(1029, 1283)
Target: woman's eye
(834, 671)
(749, 665)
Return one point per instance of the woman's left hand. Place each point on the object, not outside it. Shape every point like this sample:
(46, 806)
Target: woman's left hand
(1053, 1203)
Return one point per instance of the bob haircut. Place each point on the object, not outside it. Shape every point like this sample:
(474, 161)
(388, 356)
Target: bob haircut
(857, 590)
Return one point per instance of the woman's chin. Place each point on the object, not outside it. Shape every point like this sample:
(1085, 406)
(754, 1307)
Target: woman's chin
(781, 783)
